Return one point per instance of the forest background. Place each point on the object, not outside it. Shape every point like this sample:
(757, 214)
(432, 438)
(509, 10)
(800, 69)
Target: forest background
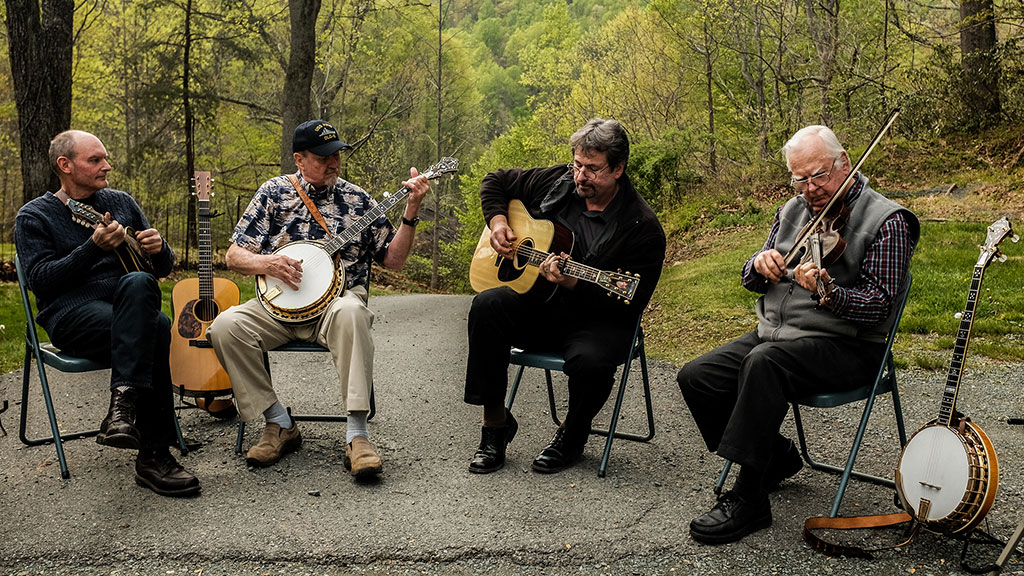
(708, 89)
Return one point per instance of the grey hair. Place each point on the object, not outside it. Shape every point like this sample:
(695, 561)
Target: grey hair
(827, 136)
(63, 144)
(601, 135)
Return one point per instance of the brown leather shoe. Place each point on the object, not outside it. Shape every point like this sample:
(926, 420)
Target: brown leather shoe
(275, 443)
(361, 459)
(118, 428)
(157, 470)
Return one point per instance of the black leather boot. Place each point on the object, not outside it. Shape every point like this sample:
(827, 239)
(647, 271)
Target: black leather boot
(157, 470)
(118, 428)
(490, 456)
(562, 452)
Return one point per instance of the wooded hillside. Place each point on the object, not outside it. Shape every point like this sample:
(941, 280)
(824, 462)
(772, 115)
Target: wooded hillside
(709, 90)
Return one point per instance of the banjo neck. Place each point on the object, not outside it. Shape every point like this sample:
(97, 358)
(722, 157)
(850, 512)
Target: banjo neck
(963, 338)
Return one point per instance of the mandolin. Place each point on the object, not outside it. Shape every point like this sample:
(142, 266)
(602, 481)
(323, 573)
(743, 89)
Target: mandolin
(522, 272)
(323, 275)
(195, 369)
(948, 475)
(129, 252)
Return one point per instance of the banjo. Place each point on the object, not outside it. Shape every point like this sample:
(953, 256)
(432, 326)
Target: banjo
(947, 475)
(323, 275)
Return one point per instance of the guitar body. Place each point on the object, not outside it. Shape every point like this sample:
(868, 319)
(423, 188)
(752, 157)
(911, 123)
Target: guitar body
(947, 477)
(488, 269)
(195, 368)
(323, 280)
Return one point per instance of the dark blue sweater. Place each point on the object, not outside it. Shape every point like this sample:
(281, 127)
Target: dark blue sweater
(65, 268)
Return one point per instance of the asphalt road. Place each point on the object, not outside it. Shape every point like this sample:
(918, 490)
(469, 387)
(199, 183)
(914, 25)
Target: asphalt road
(427, 514)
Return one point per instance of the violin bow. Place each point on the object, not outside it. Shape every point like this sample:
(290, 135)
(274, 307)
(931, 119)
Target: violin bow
(841, 192)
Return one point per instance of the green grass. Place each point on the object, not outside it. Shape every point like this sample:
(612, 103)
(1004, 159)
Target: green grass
(700, 304)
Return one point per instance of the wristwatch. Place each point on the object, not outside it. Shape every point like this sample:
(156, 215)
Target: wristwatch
(412, 222)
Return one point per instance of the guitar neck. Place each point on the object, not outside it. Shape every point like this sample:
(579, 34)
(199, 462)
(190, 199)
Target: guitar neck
(963, 337)
(205, 251)
(572, 268)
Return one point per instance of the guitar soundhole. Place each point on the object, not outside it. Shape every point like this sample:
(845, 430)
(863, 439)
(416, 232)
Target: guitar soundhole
(509, 270)
(206, 309)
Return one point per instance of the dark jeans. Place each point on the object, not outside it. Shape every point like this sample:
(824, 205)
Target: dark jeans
(739, 393)
(133, 335)
(592, 347)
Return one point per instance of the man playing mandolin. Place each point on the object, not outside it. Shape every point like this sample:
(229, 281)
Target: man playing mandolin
(294, 208)
(614, 228)
(98, 298)
(820, 328)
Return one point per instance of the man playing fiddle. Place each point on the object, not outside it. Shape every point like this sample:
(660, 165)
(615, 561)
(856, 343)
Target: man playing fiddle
(818, 331)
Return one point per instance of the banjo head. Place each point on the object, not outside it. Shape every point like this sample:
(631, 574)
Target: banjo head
(318, 277)
(934, 466)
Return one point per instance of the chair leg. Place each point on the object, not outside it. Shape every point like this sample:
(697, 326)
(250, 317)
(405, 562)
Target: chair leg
(182, 447)
(240, 436)
(551, 399)
(514, 389)
(722, 476)
(56, 437)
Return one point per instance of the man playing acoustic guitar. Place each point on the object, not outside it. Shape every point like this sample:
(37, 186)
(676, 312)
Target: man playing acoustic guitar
(614, 228)
(294, 208)
(96, 301)
(820, 328)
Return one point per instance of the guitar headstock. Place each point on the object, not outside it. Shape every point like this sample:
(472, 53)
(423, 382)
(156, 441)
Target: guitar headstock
(620, 284)
(444, 166)
(997, 232)
(84, 214)
(202, 185)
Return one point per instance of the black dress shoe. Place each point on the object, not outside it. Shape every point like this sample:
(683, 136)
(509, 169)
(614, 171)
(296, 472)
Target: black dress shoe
(732, 518)
(490, 456)
(157, 470)
(784, 464)
(118, 428)
(562, 452)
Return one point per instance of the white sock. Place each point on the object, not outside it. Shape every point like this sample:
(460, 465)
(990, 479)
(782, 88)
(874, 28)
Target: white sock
(356, 426)
(278, 414)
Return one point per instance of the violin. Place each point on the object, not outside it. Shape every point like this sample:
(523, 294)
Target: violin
(821, 240)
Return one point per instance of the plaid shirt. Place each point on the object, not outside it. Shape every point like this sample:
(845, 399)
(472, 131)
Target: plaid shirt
(277, 216)
(869, 299)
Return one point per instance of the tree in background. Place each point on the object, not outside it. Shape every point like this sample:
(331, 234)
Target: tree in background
(299, 75)
(979, 60)
(40, 44)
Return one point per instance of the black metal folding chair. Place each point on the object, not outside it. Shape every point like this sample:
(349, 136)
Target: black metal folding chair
(46, 354)
(885, 382)
(549, 362)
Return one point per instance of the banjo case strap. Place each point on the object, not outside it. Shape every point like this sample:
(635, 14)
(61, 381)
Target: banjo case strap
(310, 205)
(854, 523)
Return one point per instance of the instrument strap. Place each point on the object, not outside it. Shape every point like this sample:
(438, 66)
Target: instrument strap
(854, 523)
(309, 204)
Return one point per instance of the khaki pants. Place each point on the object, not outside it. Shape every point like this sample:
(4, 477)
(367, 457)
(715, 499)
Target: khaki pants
(242, 334)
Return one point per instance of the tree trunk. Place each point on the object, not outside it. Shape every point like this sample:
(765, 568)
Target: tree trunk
(978, 60)
(823, 24)
(434, 253)
(40, 47)
(191, 236)
(298, 79)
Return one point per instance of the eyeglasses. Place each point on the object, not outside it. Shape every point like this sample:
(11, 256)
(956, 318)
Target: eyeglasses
(587, 172)
(819, 179)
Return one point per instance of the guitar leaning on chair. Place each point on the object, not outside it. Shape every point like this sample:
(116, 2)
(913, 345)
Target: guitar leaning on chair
(130, 253)
(522, 272)
(195, 369)
(323, 276)
(947, 475)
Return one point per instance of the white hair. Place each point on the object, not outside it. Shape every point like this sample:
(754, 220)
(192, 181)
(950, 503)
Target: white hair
(827, 136)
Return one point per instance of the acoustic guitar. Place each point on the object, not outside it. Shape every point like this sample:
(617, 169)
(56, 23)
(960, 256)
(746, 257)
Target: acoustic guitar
(522, 272)
(948, 474)
(195, 369)
(323, 275)
(129, 252)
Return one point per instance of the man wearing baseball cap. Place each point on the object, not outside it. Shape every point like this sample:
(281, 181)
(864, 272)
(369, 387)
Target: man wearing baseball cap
(312, 204)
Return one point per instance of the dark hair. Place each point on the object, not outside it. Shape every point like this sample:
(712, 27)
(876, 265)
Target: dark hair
(601, 135)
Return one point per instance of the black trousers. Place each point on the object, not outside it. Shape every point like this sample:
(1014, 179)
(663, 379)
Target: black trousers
(592, 347)
(134, 336)
(739, 393)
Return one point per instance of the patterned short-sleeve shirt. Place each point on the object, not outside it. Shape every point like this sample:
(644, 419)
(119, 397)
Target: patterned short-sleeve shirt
(276, 216)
